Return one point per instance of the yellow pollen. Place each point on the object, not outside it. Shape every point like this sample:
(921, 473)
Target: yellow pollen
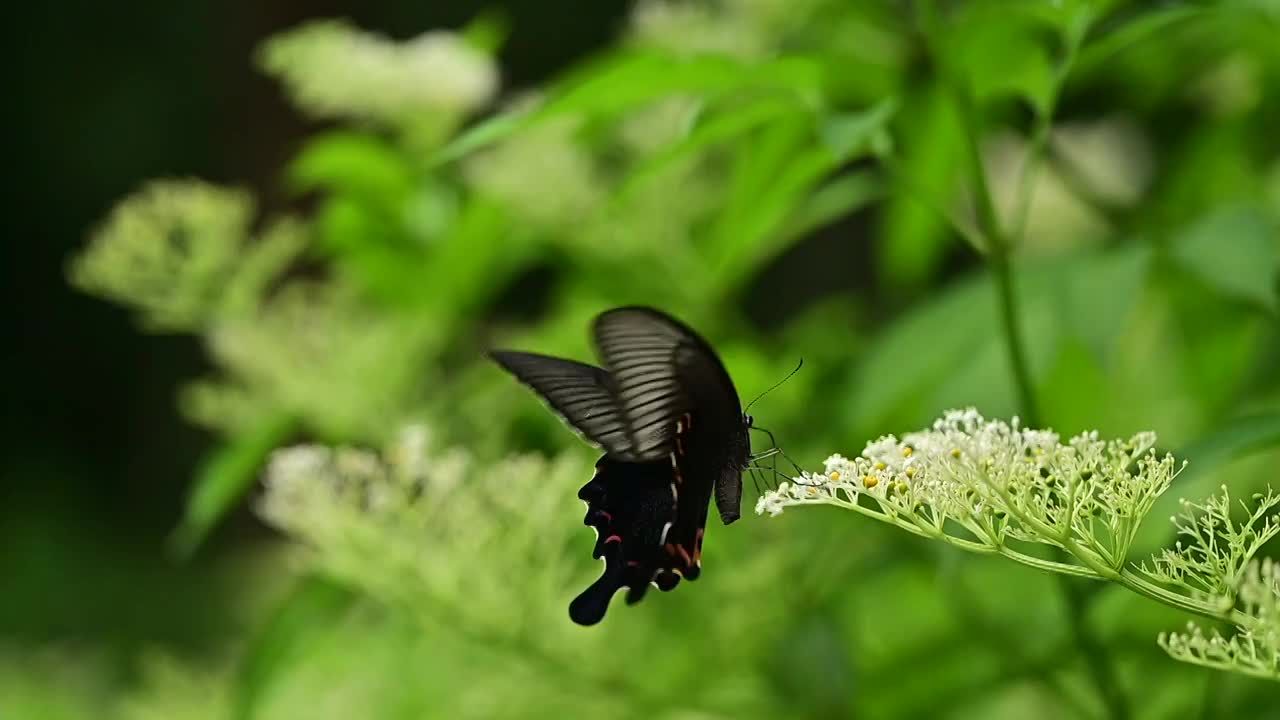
(955, 453)
(835, 475)
(880, 466)
(871, 481)
(911, 472)
(813, 491)
(906, 451)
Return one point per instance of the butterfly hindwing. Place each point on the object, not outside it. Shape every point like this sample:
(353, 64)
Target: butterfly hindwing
(631, 507)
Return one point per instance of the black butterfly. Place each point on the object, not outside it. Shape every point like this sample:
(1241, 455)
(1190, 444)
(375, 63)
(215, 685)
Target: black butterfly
(669, 420)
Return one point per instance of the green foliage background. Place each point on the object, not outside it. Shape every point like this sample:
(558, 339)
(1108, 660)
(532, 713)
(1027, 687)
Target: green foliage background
(829, 180)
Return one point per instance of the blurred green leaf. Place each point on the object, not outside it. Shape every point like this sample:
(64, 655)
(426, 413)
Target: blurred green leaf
(1095, 293)
(914, 353)
(356, 163)
(626, 80)
(774, 175)
(849, 135)
(950, 349)
(631, 79)
(488, 32)
(1146, 24)
(831, 201)
(1073, 389)
(1237, 252)
(224, 477)
(370, 249)
(1003, 54)
(913, 238)
(483, 134)
(1205, 457)
(312, 608)
(1229, 441)
(714, 129)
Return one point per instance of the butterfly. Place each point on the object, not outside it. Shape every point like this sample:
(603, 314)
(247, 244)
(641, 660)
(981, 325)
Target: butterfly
(668, 418)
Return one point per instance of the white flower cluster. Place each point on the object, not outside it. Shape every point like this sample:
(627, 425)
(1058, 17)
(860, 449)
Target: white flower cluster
(413, 525)
(334, 70)
(183, 254)
(1255, 649)
(739, 28)
(998, 481)
(543, 175)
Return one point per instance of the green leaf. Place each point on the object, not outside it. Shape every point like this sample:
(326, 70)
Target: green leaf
(774, 176)
(912, 239)
(1205, 457)
(771, 177)
(713, 130)
(908, 360)
(849, 135)
(1235, 251)
(310, 610)
(833, 200)
(621, 82)
(1003, 53)
(950, 350)
(1095, 293)
(355, 163)
(224, 477)
(482, 135)
(1233, 440)
(1146, 25)
(488, 32)
(1073, 389)
(632, 79)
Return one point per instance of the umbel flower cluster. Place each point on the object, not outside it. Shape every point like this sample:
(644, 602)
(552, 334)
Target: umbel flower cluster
(996, 487)
(479, 553)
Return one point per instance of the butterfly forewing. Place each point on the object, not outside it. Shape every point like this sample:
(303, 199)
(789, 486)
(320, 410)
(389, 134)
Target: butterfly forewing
(638, 349)
(578, 392)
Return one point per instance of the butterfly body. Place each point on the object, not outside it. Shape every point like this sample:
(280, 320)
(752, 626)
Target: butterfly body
(669, 420)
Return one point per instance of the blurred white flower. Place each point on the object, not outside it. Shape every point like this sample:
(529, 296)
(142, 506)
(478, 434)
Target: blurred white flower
(739, 28)
(335, 70)
(183, 254)
(543, 175)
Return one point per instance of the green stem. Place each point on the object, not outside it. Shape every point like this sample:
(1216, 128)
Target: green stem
(1014, 344)
(1148, 589)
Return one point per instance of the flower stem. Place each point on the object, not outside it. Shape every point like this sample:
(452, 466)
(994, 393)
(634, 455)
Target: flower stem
(1013, 335)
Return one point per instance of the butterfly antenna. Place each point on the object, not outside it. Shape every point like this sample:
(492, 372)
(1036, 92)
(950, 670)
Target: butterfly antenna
(775, 385)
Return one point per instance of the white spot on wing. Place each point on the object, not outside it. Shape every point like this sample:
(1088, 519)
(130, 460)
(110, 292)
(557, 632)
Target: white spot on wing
(665, 529)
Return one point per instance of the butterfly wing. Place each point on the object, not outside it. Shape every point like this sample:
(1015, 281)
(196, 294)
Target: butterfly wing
(630, 505)
(661, 369)
(668, 417)
(581, 394)
(679, 403)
